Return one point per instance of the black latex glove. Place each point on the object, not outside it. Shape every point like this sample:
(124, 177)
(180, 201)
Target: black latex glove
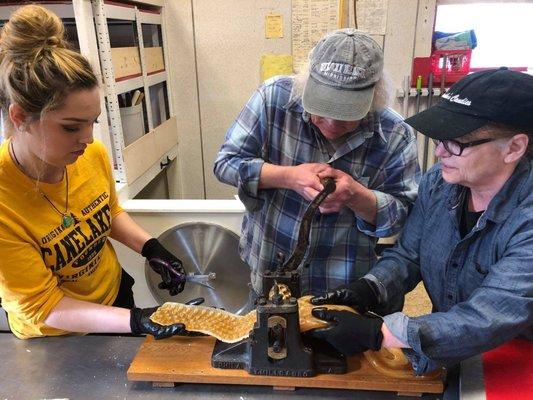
(361, 295)
(140, 323)
(165, 264)
(349, 333)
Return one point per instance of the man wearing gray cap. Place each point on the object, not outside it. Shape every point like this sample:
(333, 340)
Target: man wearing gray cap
(328, 122)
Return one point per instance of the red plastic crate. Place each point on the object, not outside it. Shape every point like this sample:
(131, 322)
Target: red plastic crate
(457, 66)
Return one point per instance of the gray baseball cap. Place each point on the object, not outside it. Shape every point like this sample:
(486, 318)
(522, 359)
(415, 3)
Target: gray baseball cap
(343, 69)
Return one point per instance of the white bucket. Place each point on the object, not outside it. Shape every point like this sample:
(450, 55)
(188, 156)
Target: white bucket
(132, 123)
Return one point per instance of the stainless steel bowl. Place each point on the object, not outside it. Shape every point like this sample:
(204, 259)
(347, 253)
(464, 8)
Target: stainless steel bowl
(205, 248)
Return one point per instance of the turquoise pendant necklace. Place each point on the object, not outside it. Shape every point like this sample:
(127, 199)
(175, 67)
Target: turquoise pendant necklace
(67, 218)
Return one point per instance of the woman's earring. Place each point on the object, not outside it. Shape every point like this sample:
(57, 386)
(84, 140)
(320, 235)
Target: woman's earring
(22, 128)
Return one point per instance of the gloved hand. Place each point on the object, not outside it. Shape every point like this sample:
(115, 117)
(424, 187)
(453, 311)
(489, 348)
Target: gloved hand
(349, 333)
(165, 264)
(361, 295)
(140, 323)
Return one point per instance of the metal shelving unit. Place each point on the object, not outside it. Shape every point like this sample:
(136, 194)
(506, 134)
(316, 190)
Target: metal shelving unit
(92, 19)
(129, 84)
(99, 45)
(111, 97)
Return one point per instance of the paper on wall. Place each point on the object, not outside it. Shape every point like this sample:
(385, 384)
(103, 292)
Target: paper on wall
(311, 19)
(372, 16)
(275, 64)
(273, 26)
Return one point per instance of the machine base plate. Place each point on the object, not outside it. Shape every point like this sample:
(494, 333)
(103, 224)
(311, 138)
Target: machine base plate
(188, 360)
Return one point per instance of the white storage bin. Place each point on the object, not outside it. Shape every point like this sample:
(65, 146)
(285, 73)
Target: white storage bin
(132, 123)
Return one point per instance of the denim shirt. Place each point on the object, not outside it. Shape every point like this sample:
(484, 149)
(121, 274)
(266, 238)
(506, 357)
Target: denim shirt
(481, 286)
(272, 127)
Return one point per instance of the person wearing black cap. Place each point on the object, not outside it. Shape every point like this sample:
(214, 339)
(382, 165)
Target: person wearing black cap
(329, 121)
(469, 237)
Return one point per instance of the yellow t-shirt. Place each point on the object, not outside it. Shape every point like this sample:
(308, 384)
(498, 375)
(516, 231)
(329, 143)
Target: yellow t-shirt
(40, 260)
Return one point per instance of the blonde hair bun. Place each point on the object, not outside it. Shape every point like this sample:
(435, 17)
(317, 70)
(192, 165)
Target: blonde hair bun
(38, 69)
(31, 30)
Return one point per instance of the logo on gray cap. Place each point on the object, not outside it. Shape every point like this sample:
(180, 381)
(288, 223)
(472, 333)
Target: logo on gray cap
(344, 68)
(348, 59)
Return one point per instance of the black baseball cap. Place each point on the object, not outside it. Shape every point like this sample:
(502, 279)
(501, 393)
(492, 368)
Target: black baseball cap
(498, 95)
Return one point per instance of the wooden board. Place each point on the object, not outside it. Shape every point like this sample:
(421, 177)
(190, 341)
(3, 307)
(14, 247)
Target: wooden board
(188, 360)
(126, 62)
(154, 59)
(142, 154)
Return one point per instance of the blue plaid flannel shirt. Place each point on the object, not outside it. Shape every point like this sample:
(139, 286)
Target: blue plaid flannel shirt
(272, 127)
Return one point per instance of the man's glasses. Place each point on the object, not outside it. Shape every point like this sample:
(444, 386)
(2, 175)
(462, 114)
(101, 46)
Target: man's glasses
(456, 148)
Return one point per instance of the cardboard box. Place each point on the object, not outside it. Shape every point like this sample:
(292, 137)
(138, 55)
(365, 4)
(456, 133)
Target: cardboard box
(154, 59)
(126, 62)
